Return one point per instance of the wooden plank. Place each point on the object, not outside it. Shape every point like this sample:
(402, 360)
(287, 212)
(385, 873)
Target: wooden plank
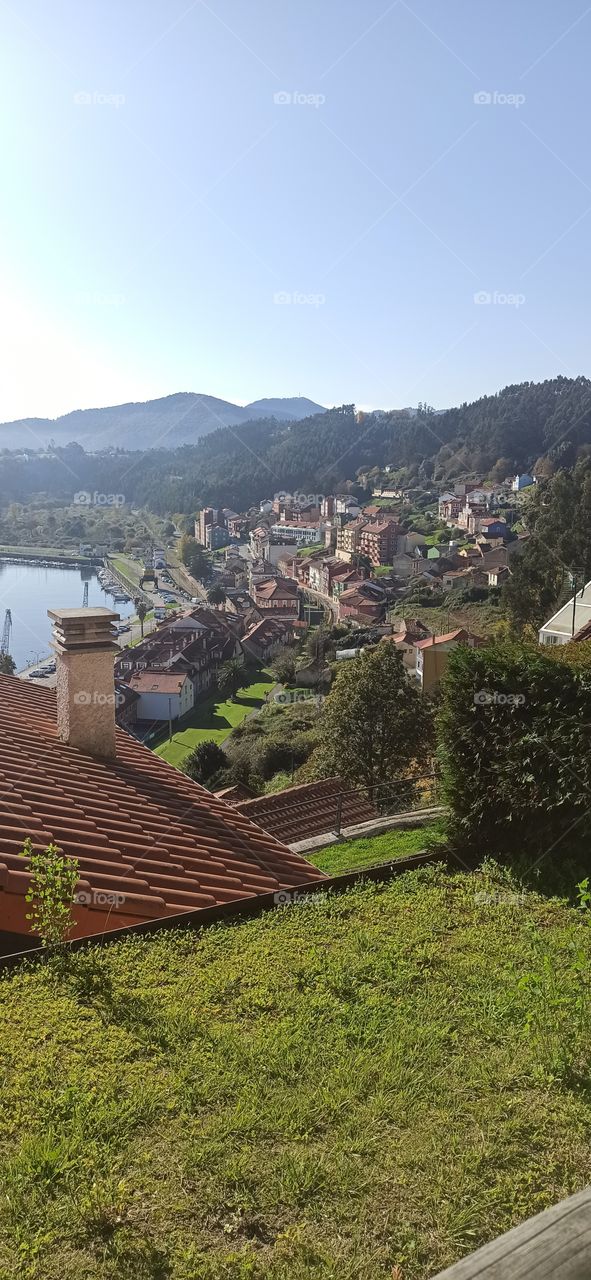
(555, 1245)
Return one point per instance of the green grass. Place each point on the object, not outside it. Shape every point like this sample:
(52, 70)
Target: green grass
(388, 1078)
(479, 618)
(70, 552)
(354, 854)
(212, 718)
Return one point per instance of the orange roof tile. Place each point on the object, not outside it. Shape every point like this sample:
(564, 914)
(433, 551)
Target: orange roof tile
(310, 809)
(150, 842)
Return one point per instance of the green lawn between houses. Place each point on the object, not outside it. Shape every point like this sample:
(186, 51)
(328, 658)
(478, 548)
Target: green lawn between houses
(385, 1078)
(211, 718)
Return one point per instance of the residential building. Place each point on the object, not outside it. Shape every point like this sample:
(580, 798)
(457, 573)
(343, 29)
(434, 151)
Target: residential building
(349, 538)
(379, 541)
(432, 655)
(302, 532)
(265, 638)
(207, 517)
(520, 482)
(277, 595)
(365, 602)
(569, 620)
(149, 843)
(163, 696)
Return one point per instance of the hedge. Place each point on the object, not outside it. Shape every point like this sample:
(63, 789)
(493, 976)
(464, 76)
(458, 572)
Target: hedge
(515, 753)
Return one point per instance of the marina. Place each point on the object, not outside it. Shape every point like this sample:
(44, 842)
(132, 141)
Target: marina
(29, 589)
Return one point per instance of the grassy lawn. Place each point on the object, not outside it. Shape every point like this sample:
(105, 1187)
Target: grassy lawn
(478, 618)
(71, 552)
(128, 567)
(353, 854)
(357, 1087)
(215, 719)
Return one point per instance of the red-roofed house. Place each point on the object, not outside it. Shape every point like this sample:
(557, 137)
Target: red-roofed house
(432, 654)
(149, 841)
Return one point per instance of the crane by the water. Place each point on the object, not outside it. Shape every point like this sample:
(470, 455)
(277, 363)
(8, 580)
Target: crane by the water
(7, 628)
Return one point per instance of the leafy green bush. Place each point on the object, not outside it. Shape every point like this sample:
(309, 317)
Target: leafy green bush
(515, 735)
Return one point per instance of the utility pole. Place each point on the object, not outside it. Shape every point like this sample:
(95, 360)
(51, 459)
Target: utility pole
(574, 582)
(169, 720)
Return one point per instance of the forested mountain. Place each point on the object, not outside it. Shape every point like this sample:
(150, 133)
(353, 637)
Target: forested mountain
(545, 425)
(152, 424)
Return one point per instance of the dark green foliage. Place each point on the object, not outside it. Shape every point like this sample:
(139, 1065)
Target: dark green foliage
(515, 734)
(558, 517)
(549, 422)
(375, 727)
(280, 739)
(204, 761)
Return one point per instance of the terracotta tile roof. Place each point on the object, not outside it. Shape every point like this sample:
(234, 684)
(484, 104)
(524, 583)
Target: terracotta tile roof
(157, 682)
(307, 810)
(150, 842)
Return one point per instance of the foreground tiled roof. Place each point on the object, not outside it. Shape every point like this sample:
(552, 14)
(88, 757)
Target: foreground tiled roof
(308, 810)
(150, 842)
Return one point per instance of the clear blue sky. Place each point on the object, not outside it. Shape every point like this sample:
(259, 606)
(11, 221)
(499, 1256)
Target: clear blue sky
(155, 199)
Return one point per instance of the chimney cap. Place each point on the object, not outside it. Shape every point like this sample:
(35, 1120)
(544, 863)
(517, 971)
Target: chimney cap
(83, 628)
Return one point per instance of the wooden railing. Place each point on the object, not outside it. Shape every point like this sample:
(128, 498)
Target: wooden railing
(555, 1245)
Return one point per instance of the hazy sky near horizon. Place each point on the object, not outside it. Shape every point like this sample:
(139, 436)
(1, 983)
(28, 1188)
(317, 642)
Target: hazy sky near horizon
(354, 200)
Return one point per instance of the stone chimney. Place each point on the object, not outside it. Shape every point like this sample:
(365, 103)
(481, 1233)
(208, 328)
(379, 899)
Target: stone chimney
(84, 645)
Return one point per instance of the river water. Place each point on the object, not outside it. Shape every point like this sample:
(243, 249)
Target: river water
(30, 590)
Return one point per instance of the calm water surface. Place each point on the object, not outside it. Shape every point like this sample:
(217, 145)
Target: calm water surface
(30, 590)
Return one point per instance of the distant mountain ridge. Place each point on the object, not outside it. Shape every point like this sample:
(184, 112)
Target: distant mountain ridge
(167, 422)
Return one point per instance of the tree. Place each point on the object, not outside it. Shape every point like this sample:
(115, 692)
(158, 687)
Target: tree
(231, 677)
(54, 877)
(375, 725)
(194, 556)
(216, 594)
(205, 760)
(7, 665)
(141, 609)
(284, 666)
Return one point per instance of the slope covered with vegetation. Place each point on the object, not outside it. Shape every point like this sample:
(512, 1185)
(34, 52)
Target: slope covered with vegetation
(381, 1080)
(547, 423)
